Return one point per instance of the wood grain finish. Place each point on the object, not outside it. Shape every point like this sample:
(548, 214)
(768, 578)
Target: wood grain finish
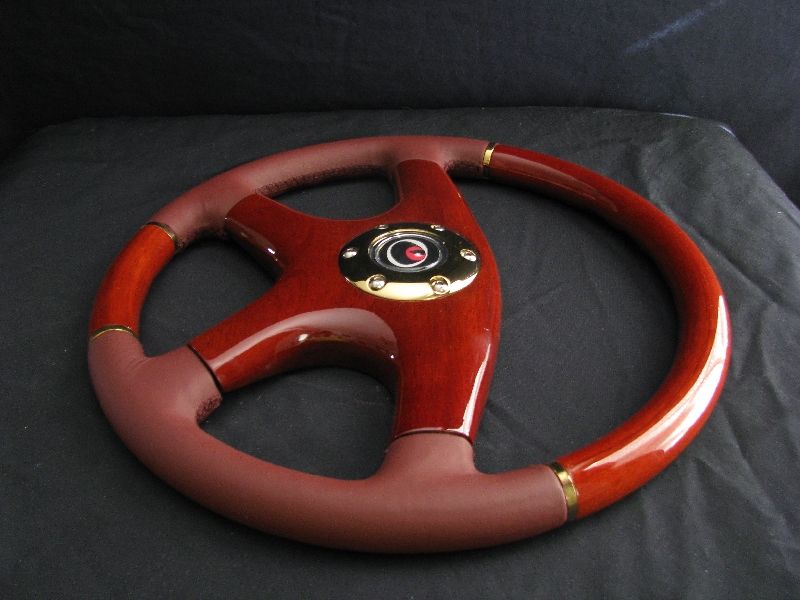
(632, 454)
(124, 288)
(438, 355)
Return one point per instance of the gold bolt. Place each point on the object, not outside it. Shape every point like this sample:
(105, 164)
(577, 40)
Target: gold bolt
(439, 284)
(376, 282)
(468, 254)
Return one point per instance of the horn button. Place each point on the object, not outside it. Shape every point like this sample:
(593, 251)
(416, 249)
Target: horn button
(409, 261)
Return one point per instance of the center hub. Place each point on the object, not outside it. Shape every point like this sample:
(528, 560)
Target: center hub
(408, 251)
(409, 261)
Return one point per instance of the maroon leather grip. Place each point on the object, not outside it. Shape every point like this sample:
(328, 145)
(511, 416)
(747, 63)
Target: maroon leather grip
(203, 208)
(427, 496)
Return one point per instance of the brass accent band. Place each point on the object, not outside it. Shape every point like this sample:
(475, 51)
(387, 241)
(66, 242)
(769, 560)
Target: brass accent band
(487, 157)
(568, 486)
(168, 230)
(106, 328)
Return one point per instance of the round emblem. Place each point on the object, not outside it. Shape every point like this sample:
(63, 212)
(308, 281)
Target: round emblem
(408, 252)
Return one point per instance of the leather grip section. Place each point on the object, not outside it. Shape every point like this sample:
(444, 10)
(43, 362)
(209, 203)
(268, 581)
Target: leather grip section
(202, 209)
(426, 497)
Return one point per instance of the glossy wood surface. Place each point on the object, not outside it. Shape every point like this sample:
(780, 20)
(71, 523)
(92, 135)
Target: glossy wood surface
(632, 454)
(438, 355)
(124, 288)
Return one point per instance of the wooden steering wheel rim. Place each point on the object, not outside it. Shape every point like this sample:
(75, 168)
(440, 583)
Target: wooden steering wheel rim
(427, 495)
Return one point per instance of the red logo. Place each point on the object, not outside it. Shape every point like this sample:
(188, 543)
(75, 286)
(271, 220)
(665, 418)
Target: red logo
(416, 253)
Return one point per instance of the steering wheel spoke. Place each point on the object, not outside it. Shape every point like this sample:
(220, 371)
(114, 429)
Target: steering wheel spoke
(425, 191)
(445, 369)
(287, 328)
(275, 234)
(261, 339)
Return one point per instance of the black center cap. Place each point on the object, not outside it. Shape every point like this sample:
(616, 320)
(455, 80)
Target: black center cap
(408, 252)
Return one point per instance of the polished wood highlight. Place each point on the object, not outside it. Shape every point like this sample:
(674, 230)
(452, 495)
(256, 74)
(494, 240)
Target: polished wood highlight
(626, 458)
(124, 288)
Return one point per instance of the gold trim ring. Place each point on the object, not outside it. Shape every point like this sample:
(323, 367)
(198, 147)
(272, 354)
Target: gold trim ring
(168, 230)
(106, 328)
(568, 486)
(487, 157)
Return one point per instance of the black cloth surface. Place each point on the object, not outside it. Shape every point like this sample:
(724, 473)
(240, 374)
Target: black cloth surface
(736, 62)
(589, 331)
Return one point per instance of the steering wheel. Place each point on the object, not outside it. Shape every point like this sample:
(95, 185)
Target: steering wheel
(383, 286)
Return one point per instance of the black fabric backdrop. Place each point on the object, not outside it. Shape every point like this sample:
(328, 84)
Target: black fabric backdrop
(589, 331)
(736, 62)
